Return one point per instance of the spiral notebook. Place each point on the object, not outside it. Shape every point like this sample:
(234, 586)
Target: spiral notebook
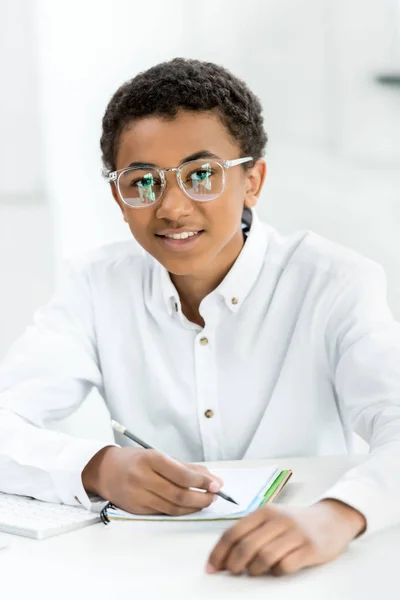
(251, 488)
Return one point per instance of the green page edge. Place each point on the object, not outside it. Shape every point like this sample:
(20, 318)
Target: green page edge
(273, 487)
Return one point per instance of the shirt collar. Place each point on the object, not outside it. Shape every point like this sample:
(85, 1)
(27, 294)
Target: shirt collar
(169, 291)
(237, 284)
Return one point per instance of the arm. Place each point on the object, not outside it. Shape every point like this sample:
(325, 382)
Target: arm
(46, 376)
(363, 349)
(363, 344)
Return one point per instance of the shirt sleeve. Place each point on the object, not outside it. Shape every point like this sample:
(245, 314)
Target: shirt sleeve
(363, 345)
(46, 376)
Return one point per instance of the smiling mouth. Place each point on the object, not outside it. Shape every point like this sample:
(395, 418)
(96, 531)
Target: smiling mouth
(186, 239)
(180, 236)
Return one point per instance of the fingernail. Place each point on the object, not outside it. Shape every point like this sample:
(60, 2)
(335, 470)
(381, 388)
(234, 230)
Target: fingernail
(214, 487)
(210, 569)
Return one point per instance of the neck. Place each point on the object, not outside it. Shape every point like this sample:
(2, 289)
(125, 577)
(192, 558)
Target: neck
(193, 288)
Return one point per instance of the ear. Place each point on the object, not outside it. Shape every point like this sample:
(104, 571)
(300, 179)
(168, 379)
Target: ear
(118, 201)
(255, 181)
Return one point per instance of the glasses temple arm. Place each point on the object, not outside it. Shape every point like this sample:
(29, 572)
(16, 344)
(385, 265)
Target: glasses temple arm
(238, 161)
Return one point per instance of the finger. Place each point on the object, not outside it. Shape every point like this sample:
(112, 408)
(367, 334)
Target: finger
(181, 474)
(151, 504)
(177, 495)
(272, 553)
(204, 469)
(294, 561)
(233, 535)
(255, 546)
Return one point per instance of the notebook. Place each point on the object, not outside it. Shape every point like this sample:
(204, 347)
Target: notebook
(35, 519)
(251, 488)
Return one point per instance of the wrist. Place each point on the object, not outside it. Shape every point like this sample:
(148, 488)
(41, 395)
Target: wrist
(354, 520)
(91, 474)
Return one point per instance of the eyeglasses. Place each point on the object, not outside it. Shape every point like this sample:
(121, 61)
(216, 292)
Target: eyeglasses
(201, 180)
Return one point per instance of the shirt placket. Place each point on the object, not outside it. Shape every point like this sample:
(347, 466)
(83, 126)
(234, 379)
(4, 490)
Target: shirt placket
(207, 390)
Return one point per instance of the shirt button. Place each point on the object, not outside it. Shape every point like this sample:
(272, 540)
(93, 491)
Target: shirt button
(234, 301)
(176, 306)
(209, 413)
(203, 341)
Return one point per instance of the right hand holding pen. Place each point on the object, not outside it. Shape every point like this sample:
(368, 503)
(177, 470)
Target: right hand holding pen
(148, 482)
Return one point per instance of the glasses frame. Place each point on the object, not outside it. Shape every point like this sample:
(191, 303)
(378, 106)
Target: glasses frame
(114, 177)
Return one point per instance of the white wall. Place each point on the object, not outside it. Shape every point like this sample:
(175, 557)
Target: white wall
(365, 42)
(26, 256)
(20, 144)
(26, 267)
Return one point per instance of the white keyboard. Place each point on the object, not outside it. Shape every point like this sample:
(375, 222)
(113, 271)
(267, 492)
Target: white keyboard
(32, 518)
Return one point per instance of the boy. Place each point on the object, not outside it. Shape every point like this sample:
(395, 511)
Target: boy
(223, 340)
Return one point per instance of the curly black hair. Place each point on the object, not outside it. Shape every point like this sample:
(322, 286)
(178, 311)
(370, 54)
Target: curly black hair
(190, 85)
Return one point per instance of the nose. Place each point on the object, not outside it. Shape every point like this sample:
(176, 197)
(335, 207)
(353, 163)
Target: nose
(174, 204)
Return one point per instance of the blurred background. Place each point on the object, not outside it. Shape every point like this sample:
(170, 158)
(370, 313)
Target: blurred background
(327, 73)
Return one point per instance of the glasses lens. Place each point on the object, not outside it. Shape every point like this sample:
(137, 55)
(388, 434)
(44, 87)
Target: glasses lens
(140, 187)
(203, 179)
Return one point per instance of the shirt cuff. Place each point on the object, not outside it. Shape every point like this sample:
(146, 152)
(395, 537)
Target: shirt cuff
(67, 479)
(379, 510)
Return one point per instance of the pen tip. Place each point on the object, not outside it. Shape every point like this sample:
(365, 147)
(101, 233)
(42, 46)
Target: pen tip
(232, 500)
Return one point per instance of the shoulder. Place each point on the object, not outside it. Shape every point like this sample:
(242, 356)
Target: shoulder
(110, 259)
(310, 253)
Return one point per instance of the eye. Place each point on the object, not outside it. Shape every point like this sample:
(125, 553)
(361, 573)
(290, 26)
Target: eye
(200, 174)
(145, 182)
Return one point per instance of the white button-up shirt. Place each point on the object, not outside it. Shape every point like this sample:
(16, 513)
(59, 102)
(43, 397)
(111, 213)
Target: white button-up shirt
(299, 349)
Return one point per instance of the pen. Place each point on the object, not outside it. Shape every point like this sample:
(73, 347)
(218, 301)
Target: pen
(121, 429)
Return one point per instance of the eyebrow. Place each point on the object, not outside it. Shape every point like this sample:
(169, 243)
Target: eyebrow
(194, 156)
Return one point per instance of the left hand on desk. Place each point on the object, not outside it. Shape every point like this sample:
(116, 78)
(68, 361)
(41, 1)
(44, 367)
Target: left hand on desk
(283, 541)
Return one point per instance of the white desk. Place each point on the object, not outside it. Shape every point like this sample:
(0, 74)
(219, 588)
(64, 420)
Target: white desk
(143, 561)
